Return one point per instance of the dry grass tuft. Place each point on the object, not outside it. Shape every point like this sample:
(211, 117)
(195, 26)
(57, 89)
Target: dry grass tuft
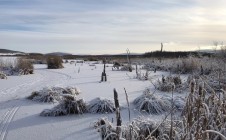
(170, 83)
(54, 94)
(69, 105)
(99, 105)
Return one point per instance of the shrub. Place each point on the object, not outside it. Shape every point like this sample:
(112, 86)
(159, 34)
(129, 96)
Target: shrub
(170, 83)
(104, 127)
(99, 105)
(54, 62)
(188, 65)
(127, 68)
(69, 105)
(25, 66)
(19, 66)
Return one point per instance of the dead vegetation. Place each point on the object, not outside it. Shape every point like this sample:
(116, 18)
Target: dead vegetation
(53, 94)
(138, 129)
(155, 104)
(19, 66)
(152, 104)
(170, 83)
(54, 62)
(99, 105)
(68, 105)
(126, 68)
(188, 65)
(203, 117)
(25, 66)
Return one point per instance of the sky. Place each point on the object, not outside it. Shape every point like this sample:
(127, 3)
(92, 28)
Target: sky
(111, 26)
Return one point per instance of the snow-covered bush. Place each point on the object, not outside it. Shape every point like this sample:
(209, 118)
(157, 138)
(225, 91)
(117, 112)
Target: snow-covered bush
(99, 105)
(142, 75)
(44, 97)
(152, 104)
(105, 128)
(165, 86)
(139, 129)
(126, 68)
(25, 66)
(53, 94)
(54, 62)
(170, 83)
(19, 66)
(69, 105)
(190, 65)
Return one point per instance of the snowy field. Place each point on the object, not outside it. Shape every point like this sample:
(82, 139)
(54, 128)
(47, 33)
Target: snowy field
(20, 117)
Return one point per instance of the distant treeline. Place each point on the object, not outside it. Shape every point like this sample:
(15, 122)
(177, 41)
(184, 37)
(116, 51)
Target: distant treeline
(154, 54)
(168, 54)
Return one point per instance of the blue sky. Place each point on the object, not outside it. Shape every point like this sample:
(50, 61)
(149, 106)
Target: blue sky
(110, 26)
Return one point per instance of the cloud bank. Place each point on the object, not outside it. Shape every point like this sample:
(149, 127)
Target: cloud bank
(110, 26)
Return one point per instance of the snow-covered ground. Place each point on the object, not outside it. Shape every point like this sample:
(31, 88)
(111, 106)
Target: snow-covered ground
(20, 119)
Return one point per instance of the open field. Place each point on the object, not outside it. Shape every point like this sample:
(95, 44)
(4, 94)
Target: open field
(21, 120)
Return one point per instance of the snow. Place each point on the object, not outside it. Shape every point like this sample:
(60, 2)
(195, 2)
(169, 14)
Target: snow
(20, 118)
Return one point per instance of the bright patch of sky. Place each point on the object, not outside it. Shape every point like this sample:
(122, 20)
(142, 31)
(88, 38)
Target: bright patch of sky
(110, 26)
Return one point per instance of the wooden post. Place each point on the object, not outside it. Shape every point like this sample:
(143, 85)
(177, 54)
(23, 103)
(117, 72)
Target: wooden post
(104, 75)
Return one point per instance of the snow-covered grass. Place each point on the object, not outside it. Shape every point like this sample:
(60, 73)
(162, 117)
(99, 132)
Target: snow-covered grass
(27, 122)
(155, 104)
(15, 66)
(53, 94)
(99, 105)
(69, 105)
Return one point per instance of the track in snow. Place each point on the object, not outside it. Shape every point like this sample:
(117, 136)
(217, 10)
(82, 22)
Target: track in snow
(5, 122)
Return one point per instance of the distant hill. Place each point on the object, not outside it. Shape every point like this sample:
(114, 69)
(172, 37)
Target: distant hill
(59, 53)
(10, 52)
